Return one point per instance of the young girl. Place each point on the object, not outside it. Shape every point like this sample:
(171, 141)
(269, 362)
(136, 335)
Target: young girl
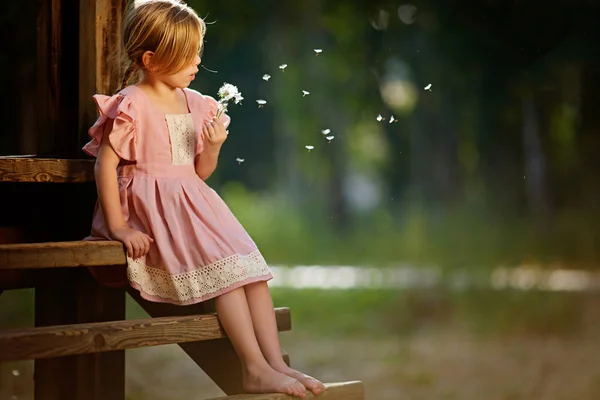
(156, 142)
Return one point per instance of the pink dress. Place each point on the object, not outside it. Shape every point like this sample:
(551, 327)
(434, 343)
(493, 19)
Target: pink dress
(200, 250)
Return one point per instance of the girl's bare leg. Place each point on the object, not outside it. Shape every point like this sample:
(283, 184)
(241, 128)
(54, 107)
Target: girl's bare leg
(263, 319)
(259, 376)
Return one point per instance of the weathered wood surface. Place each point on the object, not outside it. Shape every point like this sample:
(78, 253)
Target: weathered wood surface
(335, 391)
(61, 254)
(100, 376)
(64, 340)
(56, 65)
(37, 170)
(55, 303)
(100, 24)
(217, 358)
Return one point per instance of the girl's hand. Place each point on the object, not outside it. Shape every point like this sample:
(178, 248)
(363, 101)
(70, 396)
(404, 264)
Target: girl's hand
(214, 132)
(137, 243)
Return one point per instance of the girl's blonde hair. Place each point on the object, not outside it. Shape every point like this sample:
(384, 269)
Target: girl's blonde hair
(168, 28)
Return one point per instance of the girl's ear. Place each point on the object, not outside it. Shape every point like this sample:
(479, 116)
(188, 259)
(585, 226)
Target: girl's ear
(147, 59)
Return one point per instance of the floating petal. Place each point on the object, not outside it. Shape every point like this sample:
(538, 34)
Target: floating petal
(326, 131)
(282, 66)
(239, 160)
(266, 77)
(318, 51)
(309, 148)
(329, 138)
(428, 87)
(304, 93)
(379, 118)
(261, 103)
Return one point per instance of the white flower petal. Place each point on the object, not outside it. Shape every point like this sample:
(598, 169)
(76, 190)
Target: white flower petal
(326, 131)
(266, 77)
(318, 51)
(428, 87)
(309, 148)
(282, 66)
(379, 118)
(304, 93)
(330, 138)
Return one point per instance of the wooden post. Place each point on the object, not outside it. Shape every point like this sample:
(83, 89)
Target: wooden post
(55, 303)
(57, 51)
(99, 55)
(100, 376)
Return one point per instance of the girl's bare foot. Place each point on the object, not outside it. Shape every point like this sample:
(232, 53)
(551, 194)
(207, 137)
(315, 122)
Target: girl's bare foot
(267, 380)
(312, 384)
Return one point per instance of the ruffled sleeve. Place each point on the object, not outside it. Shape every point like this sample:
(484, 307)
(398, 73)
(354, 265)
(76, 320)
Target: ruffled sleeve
(117, 120)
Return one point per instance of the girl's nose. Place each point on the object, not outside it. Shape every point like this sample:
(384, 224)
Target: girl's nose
(197, 60)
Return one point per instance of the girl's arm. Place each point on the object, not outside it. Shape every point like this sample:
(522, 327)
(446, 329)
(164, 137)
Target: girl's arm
(137, 243)
(206, 162)
(105, 172)
(214, 134)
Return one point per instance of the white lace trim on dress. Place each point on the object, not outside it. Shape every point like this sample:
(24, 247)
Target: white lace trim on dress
(181, 133)
(200, 283)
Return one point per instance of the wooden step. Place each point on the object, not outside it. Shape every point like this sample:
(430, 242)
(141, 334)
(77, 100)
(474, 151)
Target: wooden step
(335, 391)
(29, 169)
(61, 254)
(65, 340)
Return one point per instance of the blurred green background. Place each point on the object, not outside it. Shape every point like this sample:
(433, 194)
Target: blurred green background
(494, 165)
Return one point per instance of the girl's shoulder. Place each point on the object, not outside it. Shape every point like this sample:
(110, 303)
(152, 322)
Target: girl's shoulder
(204, 106)
(198, 99)
(129, 97)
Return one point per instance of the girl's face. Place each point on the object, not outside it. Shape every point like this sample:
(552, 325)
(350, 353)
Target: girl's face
(183, 78)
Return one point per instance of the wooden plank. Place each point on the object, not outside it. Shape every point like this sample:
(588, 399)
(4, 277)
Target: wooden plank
(22, 169)
(61, 254)
(100, 376)
(335, 391)
(217, 358)
(63, 340)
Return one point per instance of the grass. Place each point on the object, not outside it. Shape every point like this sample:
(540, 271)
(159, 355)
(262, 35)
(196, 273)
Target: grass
(384, 312)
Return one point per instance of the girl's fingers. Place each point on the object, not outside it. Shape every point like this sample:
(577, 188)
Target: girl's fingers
(129, 248)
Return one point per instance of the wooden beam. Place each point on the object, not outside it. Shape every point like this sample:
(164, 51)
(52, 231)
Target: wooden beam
(61, 254)
(24, 169)
(64, 340)
(99, 55)
(55, 303)
(100, 376)
(335, 391)
(217, 358)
